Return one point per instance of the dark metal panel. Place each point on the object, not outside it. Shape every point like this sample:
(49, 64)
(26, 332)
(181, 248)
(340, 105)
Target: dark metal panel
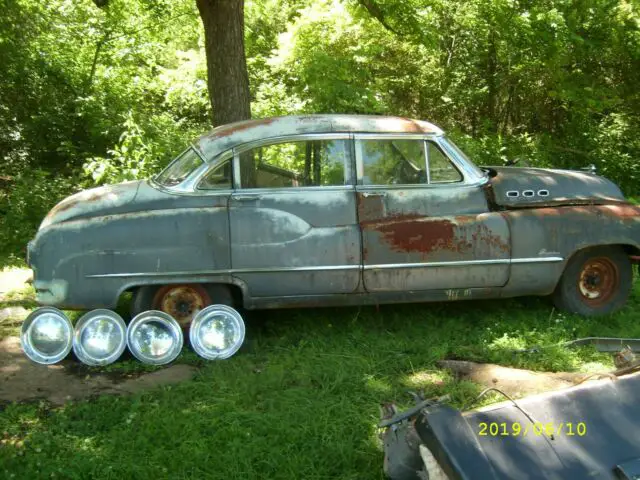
(607, 409)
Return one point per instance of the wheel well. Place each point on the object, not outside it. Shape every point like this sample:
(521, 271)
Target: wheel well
(235, 290)
(630, 250)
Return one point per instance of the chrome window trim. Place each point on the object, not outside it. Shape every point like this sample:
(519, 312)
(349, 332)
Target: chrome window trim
(425, 146)
(472, 172)
(187, 186)
(462, 263)
(266, 191)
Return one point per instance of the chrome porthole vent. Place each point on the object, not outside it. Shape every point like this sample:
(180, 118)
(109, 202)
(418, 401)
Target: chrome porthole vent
(217, 332)
(46, 336)
(154, 337)
(100, 337)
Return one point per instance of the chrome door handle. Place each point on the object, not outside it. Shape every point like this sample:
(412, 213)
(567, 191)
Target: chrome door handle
(374, 194)
(247, 198)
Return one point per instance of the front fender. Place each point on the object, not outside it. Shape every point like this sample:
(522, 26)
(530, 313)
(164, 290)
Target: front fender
(562, 231)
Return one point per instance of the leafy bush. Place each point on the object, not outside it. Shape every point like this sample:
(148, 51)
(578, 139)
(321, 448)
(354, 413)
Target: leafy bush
(26, 204)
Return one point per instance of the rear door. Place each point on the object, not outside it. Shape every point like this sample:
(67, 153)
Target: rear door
(424, 226)
(292, 217)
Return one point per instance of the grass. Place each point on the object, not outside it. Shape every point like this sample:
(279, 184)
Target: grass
(300, 399)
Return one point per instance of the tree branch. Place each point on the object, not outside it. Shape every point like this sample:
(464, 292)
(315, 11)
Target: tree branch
(375, 12)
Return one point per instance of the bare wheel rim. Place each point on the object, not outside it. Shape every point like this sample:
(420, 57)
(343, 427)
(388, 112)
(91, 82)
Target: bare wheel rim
(182, 302)
(598, 282)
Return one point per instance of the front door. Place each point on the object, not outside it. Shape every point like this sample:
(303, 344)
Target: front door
(424, 227)
(292, 217)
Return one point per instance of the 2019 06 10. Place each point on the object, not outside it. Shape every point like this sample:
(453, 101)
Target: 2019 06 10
(517, 429)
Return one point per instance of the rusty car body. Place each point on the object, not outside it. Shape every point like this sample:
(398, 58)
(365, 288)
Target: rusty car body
(337, 210)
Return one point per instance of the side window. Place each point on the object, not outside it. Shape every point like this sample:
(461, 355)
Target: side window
(296, 164)
(441, 169)
(219, 178)
(393, 162)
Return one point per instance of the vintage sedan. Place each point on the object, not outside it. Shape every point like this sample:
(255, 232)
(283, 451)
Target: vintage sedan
(323, 210)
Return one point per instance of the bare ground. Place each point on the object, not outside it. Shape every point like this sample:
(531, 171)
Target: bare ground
(23, 380)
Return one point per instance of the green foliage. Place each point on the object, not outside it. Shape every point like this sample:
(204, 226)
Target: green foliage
(34, 192)
(108, 94)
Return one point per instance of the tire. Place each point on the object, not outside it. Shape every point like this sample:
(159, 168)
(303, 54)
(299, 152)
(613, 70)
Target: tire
(596, 281)
(181, 301)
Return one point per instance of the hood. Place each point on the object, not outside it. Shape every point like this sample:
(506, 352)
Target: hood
(96, 201)
(522, 187)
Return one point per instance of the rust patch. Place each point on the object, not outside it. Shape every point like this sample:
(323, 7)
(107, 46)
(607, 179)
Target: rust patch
(93, 197)
(236, 127)
(419, 236)
(416, 233)
(621, 211)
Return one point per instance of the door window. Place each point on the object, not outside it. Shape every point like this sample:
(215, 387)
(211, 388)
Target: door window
(218, 178)
(441, 169)
(318, 163)
(393, 162)
(403, 162)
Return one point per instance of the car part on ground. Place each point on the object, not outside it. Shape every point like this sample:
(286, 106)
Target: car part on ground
(47, 335)
(154, 337)
(100, 337)
(217, 332)
(585, 431)
(602, 344)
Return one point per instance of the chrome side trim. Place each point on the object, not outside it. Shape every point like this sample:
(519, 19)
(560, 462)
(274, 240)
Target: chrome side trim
(326, 268)
(464, 263)
(537, 260)
(196, 273)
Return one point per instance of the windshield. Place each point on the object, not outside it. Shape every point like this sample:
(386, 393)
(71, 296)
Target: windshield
(453, 148)
(179, 169)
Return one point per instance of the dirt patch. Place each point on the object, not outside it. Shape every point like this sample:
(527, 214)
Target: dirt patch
(21, 379)
(513, 381)
(14, 279)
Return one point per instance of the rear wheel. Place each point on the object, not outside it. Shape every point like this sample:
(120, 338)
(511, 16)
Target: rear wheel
(596, 281)
(181, 301)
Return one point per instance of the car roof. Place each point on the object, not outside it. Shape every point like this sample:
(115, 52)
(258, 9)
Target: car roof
(224, 137)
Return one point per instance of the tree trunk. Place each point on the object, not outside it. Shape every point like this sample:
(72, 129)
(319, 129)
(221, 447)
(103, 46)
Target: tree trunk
(228, 80)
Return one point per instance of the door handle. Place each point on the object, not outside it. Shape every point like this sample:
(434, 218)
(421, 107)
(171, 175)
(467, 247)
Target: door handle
(374, 194)
(247, 198)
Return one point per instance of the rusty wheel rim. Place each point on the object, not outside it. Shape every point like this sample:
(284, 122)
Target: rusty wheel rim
(182, 302)
(599, 281)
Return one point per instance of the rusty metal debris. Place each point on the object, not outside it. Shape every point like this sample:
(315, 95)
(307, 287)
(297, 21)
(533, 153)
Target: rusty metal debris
(602, 344)
(586, 431)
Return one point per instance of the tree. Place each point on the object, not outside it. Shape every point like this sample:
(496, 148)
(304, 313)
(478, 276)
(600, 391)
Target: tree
(227, 76)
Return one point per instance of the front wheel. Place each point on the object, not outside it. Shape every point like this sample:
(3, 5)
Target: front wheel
(181, 301)
(596, 281)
